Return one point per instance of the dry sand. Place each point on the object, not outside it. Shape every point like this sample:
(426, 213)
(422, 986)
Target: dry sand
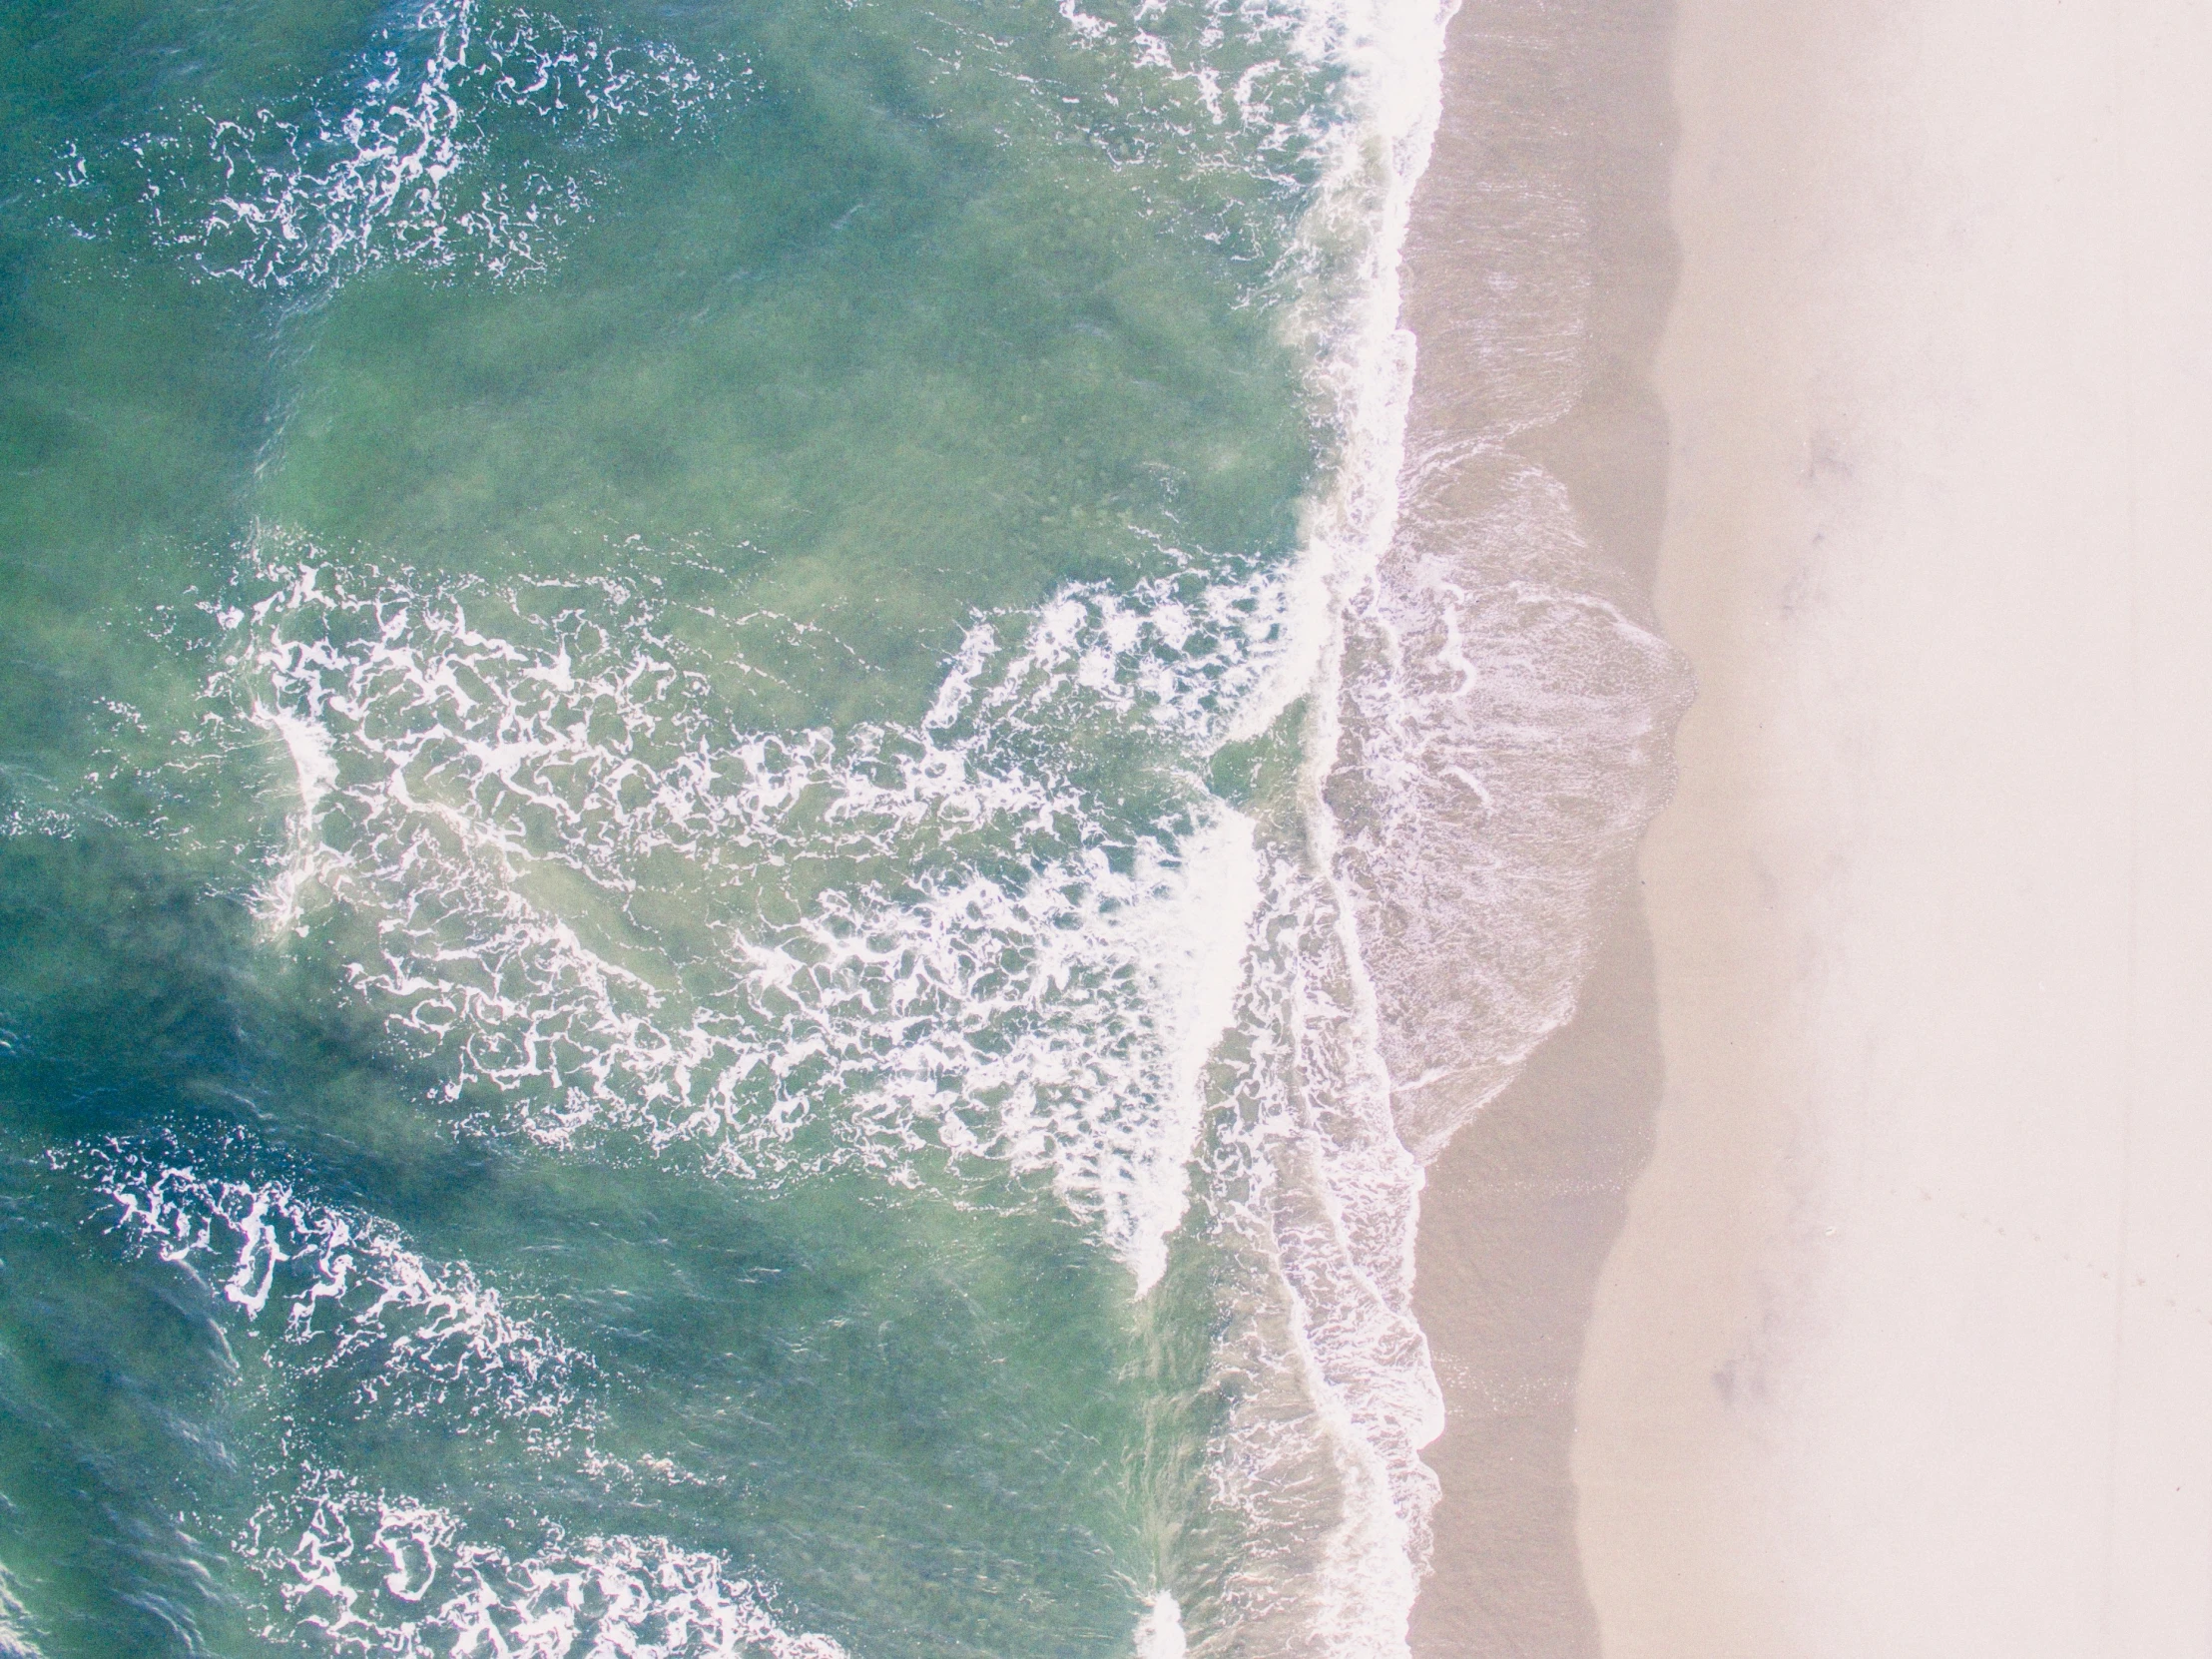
(1907, 1347)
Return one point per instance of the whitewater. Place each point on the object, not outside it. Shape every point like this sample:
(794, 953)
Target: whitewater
(799, 855)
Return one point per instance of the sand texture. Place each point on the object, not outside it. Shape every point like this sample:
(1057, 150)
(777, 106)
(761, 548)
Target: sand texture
(1538, 274)
(1907, 1344)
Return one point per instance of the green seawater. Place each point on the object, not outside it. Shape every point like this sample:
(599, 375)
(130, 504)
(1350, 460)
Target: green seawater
(557, 1087)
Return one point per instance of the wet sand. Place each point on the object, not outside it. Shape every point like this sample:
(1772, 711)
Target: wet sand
(1522, 1209)
(1540, 270)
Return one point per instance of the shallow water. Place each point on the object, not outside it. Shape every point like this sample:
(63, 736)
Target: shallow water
(676, 978)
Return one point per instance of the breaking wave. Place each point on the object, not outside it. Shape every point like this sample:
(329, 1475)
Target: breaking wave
(350, 1298)
(577, 875)
(343, 1295)
(390, 165)
(377, 1574)
(559, 848)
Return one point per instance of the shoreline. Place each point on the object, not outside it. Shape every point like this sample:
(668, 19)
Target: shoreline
(1902, 1346)
(1538, 272)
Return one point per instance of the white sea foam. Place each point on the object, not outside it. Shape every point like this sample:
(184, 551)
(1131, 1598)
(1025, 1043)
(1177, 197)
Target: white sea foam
(1160, 1631)
(938, 943)
(363, 1572)
(314, 773)
(1511, 744)
(573, 870)
(888, 945)
(15, 1622)
(1195, 944)
(375, 1573)
(1328, 1387)
(1488, 737)
(344, 1291)
(390, 163)
(1326, 1383)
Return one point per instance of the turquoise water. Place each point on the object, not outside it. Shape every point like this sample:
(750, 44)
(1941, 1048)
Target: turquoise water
(665, 982)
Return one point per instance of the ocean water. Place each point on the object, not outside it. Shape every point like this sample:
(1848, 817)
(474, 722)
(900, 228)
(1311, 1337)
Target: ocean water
(722, 873)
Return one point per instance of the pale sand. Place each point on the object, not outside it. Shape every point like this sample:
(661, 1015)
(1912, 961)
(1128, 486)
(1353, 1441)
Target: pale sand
(1906, 1347)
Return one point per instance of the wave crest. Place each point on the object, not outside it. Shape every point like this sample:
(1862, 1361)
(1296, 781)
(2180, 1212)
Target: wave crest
(392, 168)
(556, 856)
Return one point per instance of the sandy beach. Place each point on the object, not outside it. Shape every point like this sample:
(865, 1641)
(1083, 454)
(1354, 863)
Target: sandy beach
(1902, 1346)
(1547, 190)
